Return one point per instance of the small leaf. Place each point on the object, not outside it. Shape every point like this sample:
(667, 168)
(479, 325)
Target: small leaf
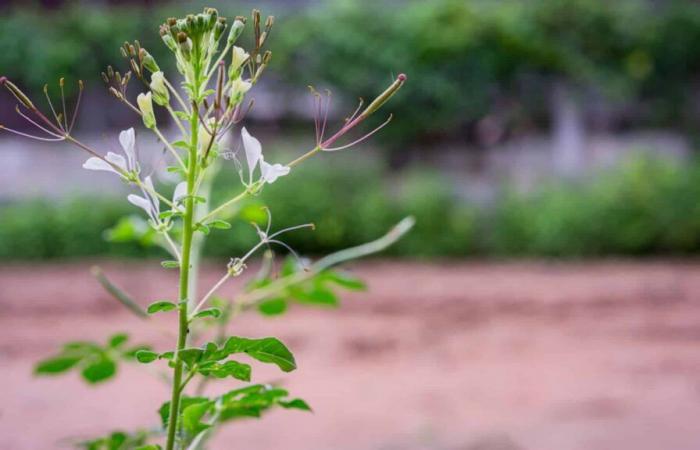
(209, 312)
(149, 447)
(220, 224)
(170, 264)
(162, 305)
(56, 364)
(181, 144)
(185, 401)
(99, 371)
(192, 417)
(190, 356)
(296, 403)
(235, 369)
(317, 295)
(146, 356)
(273, 307)
(345, 280)
(203, 228)
(118, 340)
(269, 350)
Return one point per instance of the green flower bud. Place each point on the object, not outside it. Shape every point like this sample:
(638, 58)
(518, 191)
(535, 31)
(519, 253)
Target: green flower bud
(161, 95)
(236, 30)
(146, 107)
(148, 61)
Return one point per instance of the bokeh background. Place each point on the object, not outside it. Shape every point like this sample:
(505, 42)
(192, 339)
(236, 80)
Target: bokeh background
(547, 298)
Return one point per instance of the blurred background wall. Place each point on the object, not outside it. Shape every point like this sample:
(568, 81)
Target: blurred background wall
(560, 128)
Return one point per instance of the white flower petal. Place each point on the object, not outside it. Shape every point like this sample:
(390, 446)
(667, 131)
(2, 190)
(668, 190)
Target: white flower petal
(270, 172)
(253, 151)
(140, 202)
(96, 163)
(117, 160)
(127, 139)
(151, 192)
(180, 191)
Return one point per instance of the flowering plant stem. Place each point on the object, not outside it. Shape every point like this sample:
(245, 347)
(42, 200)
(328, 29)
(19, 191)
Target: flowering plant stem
(207, 113)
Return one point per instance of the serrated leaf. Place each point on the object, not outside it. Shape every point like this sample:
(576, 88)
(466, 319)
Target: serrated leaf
(170, 264)
(57, 364)
(208, 312)
(161, 305)
(273, 307)
(268, 350)
(100, 370)
(146, 356)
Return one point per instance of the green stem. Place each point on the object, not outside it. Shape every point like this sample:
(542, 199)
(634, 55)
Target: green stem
(187, 232)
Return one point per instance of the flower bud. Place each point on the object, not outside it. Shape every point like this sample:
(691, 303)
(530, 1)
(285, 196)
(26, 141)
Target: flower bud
(148, 61)
(161, 95)
(185, 44)
(219, 28)
(170, 42)
(239, 89)
(236, 30)
(238, 58)
(146, 107)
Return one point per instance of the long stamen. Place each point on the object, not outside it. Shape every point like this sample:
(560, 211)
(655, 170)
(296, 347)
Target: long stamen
(77, 105)
(48, 98)
(355, 142)
(325, 114)
(38, 138)
(61, 82)
(28, 119)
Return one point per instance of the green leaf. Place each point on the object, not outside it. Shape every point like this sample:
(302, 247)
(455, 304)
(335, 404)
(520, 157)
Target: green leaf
(220, 224)
(170, 264)
(268, 350)
(203, 228)
(182, 115)
(162, 305)
(181, 144)
(146, 356)
(56, 364)
(235, 369)
(345, 280)
(149, 447)
(192, 417)
(185, 402)
(190, 356)
(117, 340)
(99, 371)
(273, 307)
(209, 312)
(317, 295)
(296, 403)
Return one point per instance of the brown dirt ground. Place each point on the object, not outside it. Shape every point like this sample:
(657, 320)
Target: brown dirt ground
(452, 356)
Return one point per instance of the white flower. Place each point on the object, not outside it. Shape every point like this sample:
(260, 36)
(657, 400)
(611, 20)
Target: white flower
(179, 193)
(239, 56)
(270, 172)
(145, 102)
(161, 95)
(239, 89)
(253, 154)
(149, 202)
(127, 139)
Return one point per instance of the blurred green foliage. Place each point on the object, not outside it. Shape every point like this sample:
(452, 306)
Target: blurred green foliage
(464, 58)
(645, 206)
